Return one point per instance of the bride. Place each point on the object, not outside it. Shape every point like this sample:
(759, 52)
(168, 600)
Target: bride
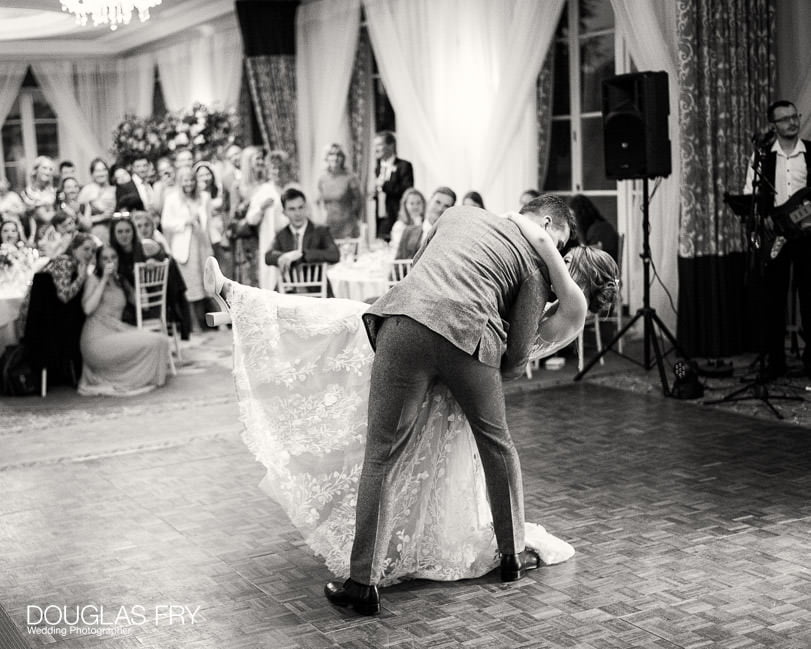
(302, 374)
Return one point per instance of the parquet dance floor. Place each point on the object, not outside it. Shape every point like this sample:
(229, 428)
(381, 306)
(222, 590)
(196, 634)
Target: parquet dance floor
(692, 529)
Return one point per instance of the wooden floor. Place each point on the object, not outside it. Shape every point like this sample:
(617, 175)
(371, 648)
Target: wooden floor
(692, 528)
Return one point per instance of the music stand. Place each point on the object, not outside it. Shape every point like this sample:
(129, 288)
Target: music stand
(745, 206)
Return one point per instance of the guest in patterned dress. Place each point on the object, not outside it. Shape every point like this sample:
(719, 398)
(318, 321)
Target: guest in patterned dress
(118, 359)
(339, 195)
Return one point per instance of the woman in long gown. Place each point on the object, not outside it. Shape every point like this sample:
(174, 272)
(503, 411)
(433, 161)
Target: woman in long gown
(118, 359)
(339, 195)
(302, 372)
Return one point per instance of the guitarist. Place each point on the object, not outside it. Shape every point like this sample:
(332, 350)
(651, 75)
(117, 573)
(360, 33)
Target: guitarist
(785, 167)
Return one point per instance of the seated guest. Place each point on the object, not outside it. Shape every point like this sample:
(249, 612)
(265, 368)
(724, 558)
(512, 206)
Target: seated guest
(68, 272)
(528, 195)
(414, 235)
(55, 238)
(124, 240)
(147, 232)
(155, 247)
(592, 229)
(11, 237)
(473, 199)
(118, 359)
(127, 198)
(11, 205)
(97, 199)
(412, 212)
(302, 240)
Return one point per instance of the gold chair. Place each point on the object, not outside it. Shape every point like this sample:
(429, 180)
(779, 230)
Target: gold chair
(307, 279)
(398, 269)
(151, 279)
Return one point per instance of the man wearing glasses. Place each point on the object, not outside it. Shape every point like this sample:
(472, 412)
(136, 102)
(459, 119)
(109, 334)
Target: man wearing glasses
(785, 166)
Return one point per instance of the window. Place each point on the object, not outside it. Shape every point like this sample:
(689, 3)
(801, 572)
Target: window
(383, 111)
(29, 131)
(586, 52)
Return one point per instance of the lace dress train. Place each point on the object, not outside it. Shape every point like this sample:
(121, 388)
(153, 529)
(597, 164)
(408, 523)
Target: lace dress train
(302, 371)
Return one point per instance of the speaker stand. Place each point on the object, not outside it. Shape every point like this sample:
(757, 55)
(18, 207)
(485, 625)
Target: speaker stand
(650, 319)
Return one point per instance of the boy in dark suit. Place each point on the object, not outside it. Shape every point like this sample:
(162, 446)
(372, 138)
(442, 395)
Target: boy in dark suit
(302, 240)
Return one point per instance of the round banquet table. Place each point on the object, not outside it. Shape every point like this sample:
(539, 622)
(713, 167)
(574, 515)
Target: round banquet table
(368, 277)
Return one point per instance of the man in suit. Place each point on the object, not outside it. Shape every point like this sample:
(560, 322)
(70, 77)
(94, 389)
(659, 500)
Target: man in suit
(393, 176)
(414, 235)
(302, 240)
(474, 280)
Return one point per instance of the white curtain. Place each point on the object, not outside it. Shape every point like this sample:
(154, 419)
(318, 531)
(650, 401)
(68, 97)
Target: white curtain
(100, 91)
(177, 80)
(649, 29)
(11, 78)
(138, 79)
(326, 40)
(77, 141)
(206, 69)
(461, 77)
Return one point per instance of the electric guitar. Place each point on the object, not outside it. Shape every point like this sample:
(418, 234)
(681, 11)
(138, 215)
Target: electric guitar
(791, 220)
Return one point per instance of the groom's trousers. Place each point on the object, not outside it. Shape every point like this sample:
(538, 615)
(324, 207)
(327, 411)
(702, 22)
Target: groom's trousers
(409, 358)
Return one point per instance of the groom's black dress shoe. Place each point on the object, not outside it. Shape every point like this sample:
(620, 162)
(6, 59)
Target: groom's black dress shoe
(515, 566)
(364, 599)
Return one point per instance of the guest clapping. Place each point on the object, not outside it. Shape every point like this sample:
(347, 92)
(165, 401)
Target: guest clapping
(55, 238)
(97, 199)
(185, 225)
(339, 195)
(118, 359)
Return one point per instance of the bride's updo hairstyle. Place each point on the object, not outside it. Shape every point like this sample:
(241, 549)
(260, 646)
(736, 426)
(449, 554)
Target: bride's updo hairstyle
(597, 274)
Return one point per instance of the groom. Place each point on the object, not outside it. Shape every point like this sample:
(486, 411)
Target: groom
(466, 314)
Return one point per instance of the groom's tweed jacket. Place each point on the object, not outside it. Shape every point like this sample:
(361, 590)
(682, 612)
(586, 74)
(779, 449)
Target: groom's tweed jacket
(476, 282)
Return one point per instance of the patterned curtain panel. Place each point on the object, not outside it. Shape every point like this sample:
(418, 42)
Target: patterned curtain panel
(544, 104)
(272, 81)
(727, 76)
(361, 116)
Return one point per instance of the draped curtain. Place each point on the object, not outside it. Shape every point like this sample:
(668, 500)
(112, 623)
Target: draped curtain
(544, 87)
(206, 69)
(326, 42)
(269, 38)
(138, 77)
(727, 76)
(793, 73)
(361, 121)
(11, 79)
(77, 140)
(470, 122)
(649, 30)
(101, 94)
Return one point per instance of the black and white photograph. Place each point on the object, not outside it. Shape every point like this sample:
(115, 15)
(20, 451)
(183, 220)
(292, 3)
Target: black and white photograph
(404, 324)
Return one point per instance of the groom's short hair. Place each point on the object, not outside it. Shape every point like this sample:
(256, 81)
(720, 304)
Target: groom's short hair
(552, 206)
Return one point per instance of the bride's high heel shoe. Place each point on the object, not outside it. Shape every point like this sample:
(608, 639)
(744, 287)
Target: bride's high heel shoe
(213, 281)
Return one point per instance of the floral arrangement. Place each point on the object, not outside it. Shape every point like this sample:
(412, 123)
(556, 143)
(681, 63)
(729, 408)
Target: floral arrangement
(17, 255)
(206, 132)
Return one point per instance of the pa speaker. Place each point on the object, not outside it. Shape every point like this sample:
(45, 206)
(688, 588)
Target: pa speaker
(635, 126)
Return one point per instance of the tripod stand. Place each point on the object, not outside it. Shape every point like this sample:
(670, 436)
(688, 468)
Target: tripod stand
(647, 314)
(750, 208)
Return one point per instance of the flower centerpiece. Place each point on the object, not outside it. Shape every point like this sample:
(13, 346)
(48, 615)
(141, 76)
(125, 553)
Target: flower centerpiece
(205, 131)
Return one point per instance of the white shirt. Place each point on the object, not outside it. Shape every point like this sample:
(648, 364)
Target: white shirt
(790, 173)
(144, 191)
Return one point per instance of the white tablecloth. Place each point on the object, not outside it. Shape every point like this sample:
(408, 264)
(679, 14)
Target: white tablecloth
(368, 277)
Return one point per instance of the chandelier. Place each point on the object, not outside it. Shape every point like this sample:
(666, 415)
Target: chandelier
(108, 12)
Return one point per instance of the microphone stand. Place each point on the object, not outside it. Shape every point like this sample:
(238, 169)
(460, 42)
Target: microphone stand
(757, 388)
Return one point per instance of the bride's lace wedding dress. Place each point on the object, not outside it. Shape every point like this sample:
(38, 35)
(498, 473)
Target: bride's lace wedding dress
(302, 370)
